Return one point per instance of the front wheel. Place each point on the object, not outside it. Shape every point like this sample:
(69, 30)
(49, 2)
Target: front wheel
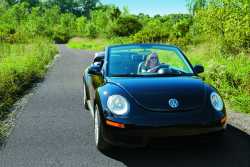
(101, 144)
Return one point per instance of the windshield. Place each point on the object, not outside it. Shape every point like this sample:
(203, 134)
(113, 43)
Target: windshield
(147, 60)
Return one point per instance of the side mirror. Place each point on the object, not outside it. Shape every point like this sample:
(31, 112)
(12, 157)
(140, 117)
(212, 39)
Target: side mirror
(95, 70)
(198, 69)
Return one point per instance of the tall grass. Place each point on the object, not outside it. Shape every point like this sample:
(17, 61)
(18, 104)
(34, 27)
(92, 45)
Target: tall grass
(20, 66)
(228, 73)
(98, 44)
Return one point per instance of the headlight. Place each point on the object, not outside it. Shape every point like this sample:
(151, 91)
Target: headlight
(216, 101)
(117, 104)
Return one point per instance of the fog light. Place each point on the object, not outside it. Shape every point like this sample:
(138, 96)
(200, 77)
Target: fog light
(115, 124)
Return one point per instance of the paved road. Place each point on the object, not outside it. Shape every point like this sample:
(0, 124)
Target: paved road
(53, 131)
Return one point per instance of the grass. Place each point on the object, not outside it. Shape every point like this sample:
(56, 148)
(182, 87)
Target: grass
(228, 73)
(20, 66)
(95, 44)
(4, 129)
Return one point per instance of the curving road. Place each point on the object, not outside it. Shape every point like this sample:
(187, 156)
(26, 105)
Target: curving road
(53, 131)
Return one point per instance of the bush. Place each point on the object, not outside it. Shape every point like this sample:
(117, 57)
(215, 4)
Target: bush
(91, 30)
(81, 24)
(126, 26)
(21, 23)
(152, 32)
(10, 19)
(168, 29)
(220, 71)
(234, 84)
(227, 23)
(96, 44)
(21, 65)
(65, 29)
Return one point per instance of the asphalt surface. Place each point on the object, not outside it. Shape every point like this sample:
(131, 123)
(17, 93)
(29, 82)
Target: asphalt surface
(54, 131)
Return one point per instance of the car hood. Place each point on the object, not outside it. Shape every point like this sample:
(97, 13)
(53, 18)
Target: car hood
(153, 93)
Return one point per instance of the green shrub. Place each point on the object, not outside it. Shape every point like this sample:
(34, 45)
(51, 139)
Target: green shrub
(4, 129)
(172, 29)
(21, 65)
(81, 23)
(126, 26)
(225, 22)
(96, 44)
(91, 30)
(21, 23)
(152, 32)
(229, 74)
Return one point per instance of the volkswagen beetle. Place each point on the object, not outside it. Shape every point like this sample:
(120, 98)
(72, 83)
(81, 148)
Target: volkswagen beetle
(139, 92)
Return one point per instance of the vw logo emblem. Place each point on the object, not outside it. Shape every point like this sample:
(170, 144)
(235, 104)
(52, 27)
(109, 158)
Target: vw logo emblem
(173, 103)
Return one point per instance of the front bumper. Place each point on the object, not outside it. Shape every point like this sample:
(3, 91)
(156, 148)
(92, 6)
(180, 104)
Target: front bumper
(141, 136)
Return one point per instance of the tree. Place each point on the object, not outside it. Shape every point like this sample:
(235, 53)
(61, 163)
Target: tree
(30, 2)
(78, 7)
(226, 22)
(126, 25)
(194, 5)
(87, 5)
(111, 11)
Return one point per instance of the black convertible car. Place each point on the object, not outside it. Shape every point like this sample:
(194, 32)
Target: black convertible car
(139, 92)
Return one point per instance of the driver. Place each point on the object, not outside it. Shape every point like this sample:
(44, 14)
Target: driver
(151, 64)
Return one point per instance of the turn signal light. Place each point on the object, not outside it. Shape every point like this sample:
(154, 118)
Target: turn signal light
(115, 124)
(223, 120)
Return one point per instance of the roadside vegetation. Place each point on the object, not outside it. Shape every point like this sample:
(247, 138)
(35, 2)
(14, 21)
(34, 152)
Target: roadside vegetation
(20, 66)
(215, 33)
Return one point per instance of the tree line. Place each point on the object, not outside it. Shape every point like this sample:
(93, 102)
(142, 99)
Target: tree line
(225, 22)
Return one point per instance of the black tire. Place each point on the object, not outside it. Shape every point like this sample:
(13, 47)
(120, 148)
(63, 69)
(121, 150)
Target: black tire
(85, 99)
(101, 144)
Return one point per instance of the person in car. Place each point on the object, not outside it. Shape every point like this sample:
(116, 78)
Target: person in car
(151, 64)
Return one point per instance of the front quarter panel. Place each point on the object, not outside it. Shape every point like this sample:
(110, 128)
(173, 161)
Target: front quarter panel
(102, 95)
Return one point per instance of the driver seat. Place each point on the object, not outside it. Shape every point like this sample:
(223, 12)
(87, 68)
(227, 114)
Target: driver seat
(140, 67)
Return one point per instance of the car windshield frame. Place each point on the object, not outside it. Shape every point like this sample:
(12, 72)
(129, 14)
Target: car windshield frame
(148, 46)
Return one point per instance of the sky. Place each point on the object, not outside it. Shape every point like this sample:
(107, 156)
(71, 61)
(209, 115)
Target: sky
(151, 7)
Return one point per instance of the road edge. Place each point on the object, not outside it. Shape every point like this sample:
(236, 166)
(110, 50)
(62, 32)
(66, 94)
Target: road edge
(20, 104)
(240, 121)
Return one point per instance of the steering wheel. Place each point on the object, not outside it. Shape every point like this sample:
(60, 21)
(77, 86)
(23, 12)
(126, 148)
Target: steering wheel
(163, 67)
(168, 70)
